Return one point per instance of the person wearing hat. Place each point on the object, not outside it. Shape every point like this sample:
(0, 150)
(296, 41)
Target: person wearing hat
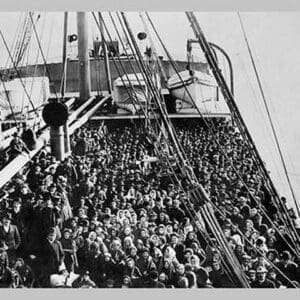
(133, 272)
(272, 255)
(3, 254)
(84, 281)
(35, 177)
(251, 275)
(145, 264)
(25, 274)
(217, 274)
(16, 214)
(272, 275)
(191, 276)
(179, 279)
(244, 208)
(51, 256)
(50, 215)
(236, 217)
(6, 276)
(69, 248)
(17, 146)
(110, 283)
(106, 268)
(176, 213)
(246, 263)
(262, 281)
(188, 252)
(9, 233)
(158, 207)
(153, 281)
(177, 246)
(289, 268)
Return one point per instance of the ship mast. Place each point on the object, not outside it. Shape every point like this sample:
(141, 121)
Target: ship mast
(105, 54)
(64, 83)
(83, 57)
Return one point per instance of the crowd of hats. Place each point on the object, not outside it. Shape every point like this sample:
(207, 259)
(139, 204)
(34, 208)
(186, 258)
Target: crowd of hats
(124, 215)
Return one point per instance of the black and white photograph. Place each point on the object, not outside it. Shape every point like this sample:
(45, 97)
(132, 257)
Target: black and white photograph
(149, 150)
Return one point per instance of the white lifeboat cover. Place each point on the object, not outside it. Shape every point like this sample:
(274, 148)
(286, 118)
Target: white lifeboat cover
(122, 87)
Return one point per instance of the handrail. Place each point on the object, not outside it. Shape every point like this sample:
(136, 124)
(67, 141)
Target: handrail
(7, 134)
(21, 160)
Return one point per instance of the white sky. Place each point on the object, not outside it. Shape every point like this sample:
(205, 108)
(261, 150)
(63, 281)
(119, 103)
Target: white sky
(275, 41)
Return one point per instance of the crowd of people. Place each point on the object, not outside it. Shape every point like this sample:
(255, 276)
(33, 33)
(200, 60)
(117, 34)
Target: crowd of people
(110, 216)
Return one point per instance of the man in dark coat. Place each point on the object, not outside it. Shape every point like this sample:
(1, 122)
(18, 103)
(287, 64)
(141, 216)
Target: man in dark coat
(289, 268)
(176, 212)
(28, 137)
(177, 246)
(6, 276)
(51, 256)
(261, 281)
(145, 264)
(49, 215)
(17, 146)
(218, 276)
(10, 235)
(153, 281)
(16, 214)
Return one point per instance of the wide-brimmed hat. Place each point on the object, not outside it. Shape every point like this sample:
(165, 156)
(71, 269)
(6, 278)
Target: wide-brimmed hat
(286, 255)
(6, 215)
(51, 230)
(261, 269)
(67, 230)
(153, 275)
(174, 234)
(246, 257)
(144, 249)
(189, 250)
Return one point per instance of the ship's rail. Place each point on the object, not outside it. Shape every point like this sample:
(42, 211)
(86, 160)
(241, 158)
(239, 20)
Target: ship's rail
(151, 116)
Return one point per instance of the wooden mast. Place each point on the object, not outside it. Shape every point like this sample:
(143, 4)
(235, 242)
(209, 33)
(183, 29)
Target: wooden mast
(105, 54)
(83, 57)
(64, 83)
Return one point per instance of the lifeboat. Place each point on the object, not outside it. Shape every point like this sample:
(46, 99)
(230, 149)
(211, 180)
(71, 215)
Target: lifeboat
(201, 86)
(130, 89)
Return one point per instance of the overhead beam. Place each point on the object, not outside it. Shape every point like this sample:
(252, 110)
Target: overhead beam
(7, 134)
(13, 167)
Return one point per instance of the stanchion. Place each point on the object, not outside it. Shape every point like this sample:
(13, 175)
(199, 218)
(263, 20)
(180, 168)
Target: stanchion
(57, 141)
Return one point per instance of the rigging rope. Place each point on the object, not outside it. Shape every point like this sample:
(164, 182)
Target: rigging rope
(47, 55)
(18, 74)
(8, 100)
(232, 105)
(213, 135)
(269, 115)
(258, 251)
(42, 53)
(145, 95)
(240, 278)
(258, 110)
(14, 41)
(160, 152)
(216, 140)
